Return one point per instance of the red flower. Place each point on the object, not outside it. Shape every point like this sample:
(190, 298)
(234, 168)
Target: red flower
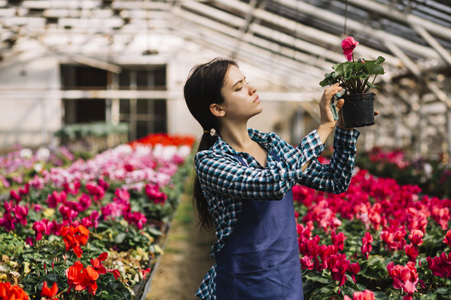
(338, 240)
(97, 263)
(115, 272)
(12, 292)
(81, 278)
(412, 252)
(366, 246)
(144, 272)
(49, 292)
(447, 238)
(354, 269)
(348, 45)
(74, 237)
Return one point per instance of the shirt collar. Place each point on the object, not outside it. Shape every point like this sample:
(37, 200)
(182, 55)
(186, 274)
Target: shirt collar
(256, 135)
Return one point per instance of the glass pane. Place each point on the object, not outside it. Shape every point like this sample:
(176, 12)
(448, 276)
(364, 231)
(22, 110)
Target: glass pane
(124, 106)
(141, 129)
(142, 79)
(143, 107)
(124, 79)
(160, 108)
(160, 126)
(160, 77)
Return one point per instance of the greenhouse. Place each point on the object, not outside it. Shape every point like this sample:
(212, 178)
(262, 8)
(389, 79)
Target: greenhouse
(98, 143)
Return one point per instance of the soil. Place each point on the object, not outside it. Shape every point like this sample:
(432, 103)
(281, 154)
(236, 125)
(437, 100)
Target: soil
(186, 258)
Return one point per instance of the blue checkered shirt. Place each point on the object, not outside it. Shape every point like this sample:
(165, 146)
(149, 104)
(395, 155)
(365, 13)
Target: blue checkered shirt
(226, 182)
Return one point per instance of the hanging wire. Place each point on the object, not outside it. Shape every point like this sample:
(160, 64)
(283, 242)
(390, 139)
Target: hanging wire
(346, 19)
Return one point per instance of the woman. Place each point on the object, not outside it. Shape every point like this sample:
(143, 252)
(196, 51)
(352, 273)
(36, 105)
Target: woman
(244, 180)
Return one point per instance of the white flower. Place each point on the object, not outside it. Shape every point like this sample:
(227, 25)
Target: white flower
(38, 168)
(43, 154)
(26, 153)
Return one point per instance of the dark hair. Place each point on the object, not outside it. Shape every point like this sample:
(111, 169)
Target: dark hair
(203, 88)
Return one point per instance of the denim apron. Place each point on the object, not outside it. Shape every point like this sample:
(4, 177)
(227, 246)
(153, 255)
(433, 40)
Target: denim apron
(260, 259)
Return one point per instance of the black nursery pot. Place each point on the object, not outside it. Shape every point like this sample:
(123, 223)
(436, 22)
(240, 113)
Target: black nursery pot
(358, 110)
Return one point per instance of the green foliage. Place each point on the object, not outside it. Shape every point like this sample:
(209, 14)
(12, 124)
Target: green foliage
(11, 245)
(355, 77)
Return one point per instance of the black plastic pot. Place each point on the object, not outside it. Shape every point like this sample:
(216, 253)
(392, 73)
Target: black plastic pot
(358, 110)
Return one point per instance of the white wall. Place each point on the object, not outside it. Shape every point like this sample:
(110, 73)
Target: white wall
(29, 110)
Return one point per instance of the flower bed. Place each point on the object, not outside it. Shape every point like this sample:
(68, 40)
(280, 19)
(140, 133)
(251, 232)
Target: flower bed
(432, 175)
(22, 164)
(94, 228)
(379, 239)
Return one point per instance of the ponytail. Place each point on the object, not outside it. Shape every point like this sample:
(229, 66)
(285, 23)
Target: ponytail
(203, 88)
(199, 201)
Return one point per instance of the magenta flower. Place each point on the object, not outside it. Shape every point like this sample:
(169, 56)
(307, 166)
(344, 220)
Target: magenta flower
(367, 247)
(39, 227)
(29, 240)
(416, 237)
(306, 263)
(338, 240)
(154, 194)
(21, 213)
(348, 45)
(136, 218)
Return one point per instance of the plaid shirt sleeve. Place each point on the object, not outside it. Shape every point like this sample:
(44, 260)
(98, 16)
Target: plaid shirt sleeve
(336, 176)
(224, 174)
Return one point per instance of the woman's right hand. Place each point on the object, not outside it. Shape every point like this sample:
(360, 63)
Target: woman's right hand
(327, 118)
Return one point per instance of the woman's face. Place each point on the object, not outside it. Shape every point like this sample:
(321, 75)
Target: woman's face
(241, 101)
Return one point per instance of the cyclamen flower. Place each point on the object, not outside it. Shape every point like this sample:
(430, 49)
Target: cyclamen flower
(338, 240)
(367, 247)
(440, 265)
(8, 291)
(306, 263)
(74, 237)
(41, 227)
(416, 237)
(96, 191)
(97, 263)
(365, 295)
(54, 198)
(154, 194)
(447, 238)
(348, 45)
(136, 218)
(411, 252)
(49, 292)
(404, 277)
(81, 278)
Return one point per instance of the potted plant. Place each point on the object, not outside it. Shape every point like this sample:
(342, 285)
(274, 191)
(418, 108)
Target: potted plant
(356, 78)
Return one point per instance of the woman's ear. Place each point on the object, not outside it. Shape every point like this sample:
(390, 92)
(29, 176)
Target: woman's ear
(217, 110)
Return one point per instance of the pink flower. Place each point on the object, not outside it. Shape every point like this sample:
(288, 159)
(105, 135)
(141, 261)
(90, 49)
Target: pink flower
(416, 237)
(136, 218)
(29, 240)
(154, 194)
(348, 45)
(54, 198)
(354, 269)
(306, 263)
(39, 228)
(404, 277)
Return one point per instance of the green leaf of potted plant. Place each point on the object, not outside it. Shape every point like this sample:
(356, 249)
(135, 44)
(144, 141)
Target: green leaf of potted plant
(356, 78)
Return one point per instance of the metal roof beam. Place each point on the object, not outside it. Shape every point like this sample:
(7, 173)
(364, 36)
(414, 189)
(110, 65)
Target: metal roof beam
(433, 42)
(409, 19)
(339, 20)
